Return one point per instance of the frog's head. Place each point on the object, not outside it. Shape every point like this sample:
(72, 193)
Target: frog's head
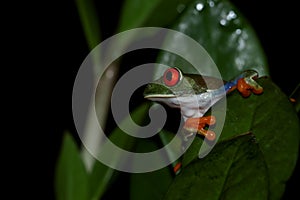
(187, 91)
(173, 83)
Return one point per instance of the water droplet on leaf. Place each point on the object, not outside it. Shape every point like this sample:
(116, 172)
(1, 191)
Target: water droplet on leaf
(199, 6)
(231, 15)
(211, 3)
(238, 31)
(223, 22)
(229, 18)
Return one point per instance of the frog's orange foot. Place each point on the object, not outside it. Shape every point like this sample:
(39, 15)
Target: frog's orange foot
(198, 125)
(247, 84)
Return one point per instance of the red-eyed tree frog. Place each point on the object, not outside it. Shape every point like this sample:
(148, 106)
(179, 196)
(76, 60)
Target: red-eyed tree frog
(180, 91)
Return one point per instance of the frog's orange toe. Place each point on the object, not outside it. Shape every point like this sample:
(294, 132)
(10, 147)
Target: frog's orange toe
(243, 87)
(177, 168)
(247, 85)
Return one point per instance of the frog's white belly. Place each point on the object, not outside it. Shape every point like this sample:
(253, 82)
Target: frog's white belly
(195, 105)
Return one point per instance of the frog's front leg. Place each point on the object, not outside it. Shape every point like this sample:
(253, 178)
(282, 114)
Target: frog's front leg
(245, 83)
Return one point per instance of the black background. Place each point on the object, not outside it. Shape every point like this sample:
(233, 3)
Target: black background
(46, 45)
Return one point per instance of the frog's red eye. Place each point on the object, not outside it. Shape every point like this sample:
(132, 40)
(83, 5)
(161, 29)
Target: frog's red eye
(172, 76)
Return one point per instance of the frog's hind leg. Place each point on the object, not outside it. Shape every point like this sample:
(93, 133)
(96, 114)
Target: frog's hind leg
(198, 125)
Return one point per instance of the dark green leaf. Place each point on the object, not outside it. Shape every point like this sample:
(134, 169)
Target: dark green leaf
(71, 180)
(276, 127)
(99, 179)
(222, 30)
(102, 175)
(134, 8)
(172, 152)
(151, 185)
(235, 169)
(138, 13)
(271, 118)
(234, 47)
(89, 21)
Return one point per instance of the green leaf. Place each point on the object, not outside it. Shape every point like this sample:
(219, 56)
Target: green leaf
(271, 118)
(71, 180)
(144, 13)
(276, 127)
(151, 185)
(89, 21)
(102, 176)
(138, 13)
(234, 47)
(172, 152)
(235, 169)
(99, 179)
(134, 8)
(224, 33)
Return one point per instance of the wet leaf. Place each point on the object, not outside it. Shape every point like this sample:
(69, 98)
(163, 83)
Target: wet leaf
(224, 33)
(271, 118)
(138, 13)
(234, 47)
(257, 151)
(235, 169)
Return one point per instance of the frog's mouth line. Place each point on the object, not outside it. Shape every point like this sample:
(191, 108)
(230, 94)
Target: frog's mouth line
(168, 99)
(154, 96)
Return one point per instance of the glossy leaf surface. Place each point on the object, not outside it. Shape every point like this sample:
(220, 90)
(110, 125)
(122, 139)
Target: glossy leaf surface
(273, 122)
(224, 33)
(159, 13)
(235, 169)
